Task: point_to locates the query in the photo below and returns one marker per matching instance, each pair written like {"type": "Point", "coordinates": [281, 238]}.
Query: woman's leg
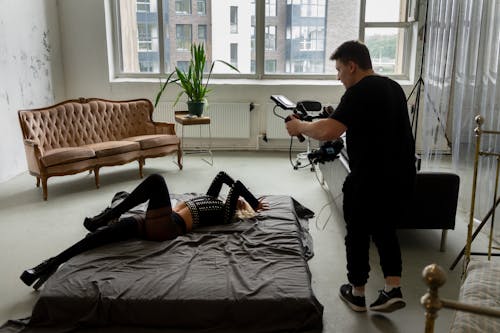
{"type": "Point", "coordinates": [237, 190]}
{"type": "Point", "coordinates": [219, 180]}
{"type": "Point", "coordinates": [153, 188]}
{"type": "Point", "coordinates": [122, 230]}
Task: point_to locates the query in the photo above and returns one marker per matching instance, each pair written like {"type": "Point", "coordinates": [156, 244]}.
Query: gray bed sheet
{"type": "Point", "coordinates": [248, 276]}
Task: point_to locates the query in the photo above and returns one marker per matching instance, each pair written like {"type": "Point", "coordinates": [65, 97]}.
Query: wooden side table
{"type": "Point", "coordinates": [183, 119]}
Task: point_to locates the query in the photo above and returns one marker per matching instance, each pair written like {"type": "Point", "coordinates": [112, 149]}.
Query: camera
{"type": "Point", "coordinates": [328, 151]}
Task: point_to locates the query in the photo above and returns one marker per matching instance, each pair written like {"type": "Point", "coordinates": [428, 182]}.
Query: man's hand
{"type": "Point", "coordinates": [293, 125]}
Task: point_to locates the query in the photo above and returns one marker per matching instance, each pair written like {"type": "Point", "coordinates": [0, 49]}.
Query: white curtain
{"type": "Point", "coordinates": [462, 80]}
{"type": "Point", "coordinates": [440, 47]}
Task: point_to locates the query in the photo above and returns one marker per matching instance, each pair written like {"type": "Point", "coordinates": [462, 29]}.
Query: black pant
{"type": "Point", "coordinates": [371, 217]}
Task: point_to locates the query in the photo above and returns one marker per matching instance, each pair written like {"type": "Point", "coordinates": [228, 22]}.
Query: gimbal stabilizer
{"type": "Point", "coordinates": [300, 109]}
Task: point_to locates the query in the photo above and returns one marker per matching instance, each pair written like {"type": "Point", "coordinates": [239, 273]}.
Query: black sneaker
{"type": "Point", "coordinates": [357, 303]}
{"type": "Point", "coordinates": [388, 301]}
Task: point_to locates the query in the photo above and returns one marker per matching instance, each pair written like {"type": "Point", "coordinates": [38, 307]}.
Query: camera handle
{"type": "Point", "coordinates": [300, 136]}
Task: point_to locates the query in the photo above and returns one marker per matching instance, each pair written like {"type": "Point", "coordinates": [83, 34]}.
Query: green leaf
{"type": "Point", "coordinates": [191, 81]}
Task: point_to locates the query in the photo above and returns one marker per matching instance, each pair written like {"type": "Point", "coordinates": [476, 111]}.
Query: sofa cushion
{"type": "Point", "coordinates": [109, 148]}
{"type": "Point", "coordinates": [154, 140]}
{"type": "Point", "coordinates": [66, 155]}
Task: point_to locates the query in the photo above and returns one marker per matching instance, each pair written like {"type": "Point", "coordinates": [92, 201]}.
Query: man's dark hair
{"type": "Point", "coordinates": [354, 51]}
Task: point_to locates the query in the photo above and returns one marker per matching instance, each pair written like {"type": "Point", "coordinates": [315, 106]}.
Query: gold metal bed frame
{"type": "Point", "coordinates": [478, 131]}
{"type": "Point", "coordinates": [434, 276]}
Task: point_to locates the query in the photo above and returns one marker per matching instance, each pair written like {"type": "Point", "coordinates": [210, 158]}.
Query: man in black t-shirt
{"type": "Point", "coordinates": [381, 150]}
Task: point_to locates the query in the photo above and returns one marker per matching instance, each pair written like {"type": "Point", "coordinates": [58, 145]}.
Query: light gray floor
{"type": "Point", "coordinates": [32, 230]}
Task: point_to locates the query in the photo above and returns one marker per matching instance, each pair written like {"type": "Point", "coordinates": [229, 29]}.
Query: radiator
{"type": "Point", "coordinates": [275, 127]}
{"type": "Point", "coordinates": [227, 120]}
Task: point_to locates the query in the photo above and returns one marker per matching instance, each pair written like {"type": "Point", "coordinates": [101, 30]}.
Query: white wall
{"type": "Point", "coordinates": [31, 73]}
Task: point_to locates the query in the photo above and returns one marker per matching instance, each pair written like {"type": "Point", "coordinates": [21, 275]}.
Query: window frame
{"type": "Point", "coordinates": [407, 25]}
{"type": "Point", "coordinates": [259, 74]}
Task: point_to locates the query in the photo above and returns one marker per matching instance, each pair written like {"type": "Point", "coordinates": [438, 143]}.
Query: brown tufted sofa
{"type": "Point", "coordinates": [87, 134]}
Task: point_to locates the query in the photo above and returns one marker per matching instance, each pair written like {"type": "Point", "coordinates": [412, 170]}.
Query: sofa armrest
{"type": "Point", "coordinates": [164, 128]}
{"type": "Point", "coordinates": [33, 154]}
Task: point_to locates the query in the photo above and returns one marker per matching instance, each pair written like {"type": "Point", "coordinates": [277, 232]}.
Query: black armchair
{"type": "Point", "coordinates": [435, 203]}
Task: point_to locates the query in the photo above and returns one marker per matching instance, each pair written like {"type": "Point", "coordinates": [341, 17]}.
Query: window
{"type": "Point", "coordinates": [234, 54]}
{"type": "Point", "coordinates": [252, 38]}
{"type": "Point", "coordinates": [143, 6]}
{"type": "Point", "coordinates": [297, 37]}
{"type": "Point", "coordinates": [312, 8]}
{"type": "Point", "coordinates": [386, 34]}
{"type": "Point", "coordinates": [183, 7]}
{"type": "Point", "coordinates": [202, 7]}
{"type": "Point", "coordinates": [183, 37]}
{"type": "Point", "coordinates": [145, 39]}
{"type": "Point", "coordinates": [309, 38]}
{"type": "Point", "coordinates": [270, 8]}
{"type": "Point", "coordinates": [270, 36]}
{"type": "Point", "coordinates": [146, 66]}
{"type": "Point", "coordinates": [270, 66]}
{"type": "Point", "coordinates": [202, 33]}
{"type": "Point", "coordinates": [234, 19]}
{"type": "Point", "coordinates": [183, 65]}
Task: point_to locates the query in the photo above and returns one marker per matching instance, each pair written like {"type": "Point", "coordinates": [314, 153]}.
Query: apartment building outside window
{"type": "Point", "coordinates": [297, 37]}
{"type": "Point", "coordinates": [234, 19]}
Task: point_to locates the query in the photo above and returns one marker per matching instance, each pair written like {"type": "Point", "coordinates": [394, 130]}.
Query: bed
{"type": "Point", "coordinates": [478, 306]}
{"type": "Point", "coordinates": [249, 276]}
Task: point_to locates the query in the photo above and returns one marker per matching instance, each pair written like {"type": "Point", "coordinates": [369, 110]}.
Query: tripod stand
{"type": "Point", "coordinates": [417, 88]}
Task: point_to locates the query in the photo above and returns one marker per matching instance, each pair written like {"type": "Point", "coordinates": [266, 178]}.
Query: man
{"type": "Point", "coordinates": [381, 150]}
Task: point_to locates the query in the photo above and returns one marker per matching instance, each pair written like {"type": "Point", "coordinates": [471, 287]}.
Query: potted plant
{"type": "Point", "coordinates": [191, 80]}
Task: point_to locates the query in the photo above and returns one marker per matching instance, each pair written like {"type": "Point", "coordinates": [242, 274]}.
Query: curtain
{"type": "Point", "coordinates": [440, 47]}
{"type": "Point", "coordinates": [462, 80]}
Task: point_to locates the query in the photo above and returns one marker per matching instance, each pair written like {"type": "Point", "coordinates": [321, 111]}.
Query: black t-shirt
{"type": "Point", "coordinates": [380, 144]}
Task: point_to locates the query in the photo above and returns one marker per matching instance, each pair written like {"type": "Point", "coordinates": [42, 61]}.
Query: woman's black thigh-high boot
{"type": "Point", "coordinates": [153, 188]}
{"type": "Point", "coordinates": [124, 229]}
{"type": "Point", "coordinates": [219, 180]}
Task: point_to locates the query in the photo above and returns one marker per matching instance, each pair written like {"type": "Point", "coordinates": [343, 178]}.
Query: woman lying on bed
{"type": "Point", "coordinates": [162, 222]}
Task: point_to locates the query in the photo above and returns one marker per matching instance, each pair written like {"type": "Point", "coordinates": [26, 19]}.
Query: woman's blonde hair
{"type": "Point", "coordinates": [245, 211]}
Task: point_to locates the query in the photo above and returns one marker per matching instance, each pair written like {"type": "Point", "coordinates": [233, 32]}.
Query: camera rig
{"type": "Point", "coordinates": [329, 150]}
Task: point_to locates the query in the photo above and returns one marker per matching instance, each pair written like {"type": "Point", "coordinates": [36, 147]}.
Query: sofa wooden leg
{"type": "Point", "coordinates": [179, 158]}
{"type": "Point", "coordinates": [44, 188]}
{"type": "Point", "coordinates": [96, 177]}
{"type": "Point", "coordinates": [141, 163]}
{"type": "Point", "coordinates": [37, 181]}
